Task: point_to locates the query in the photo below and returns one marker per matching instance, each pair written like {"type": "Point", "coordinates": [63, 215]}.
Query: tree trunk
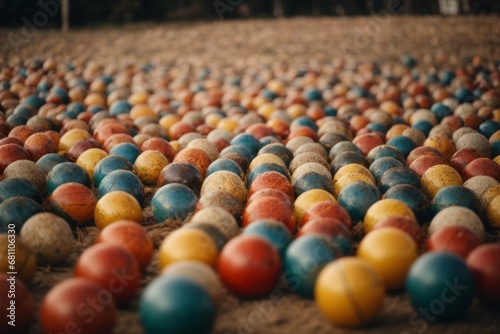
{"type": "Point", "coordinates": [278, 8]}
{"type": "Point", "coordinates": [65, 15]}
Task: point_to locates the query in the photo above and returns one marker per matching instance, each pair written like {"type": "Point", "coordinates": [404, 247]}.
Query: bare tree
{"type": "Point", "coordinates": [278, 8]}
{"type": "Point", "coordinates": [65, 15]}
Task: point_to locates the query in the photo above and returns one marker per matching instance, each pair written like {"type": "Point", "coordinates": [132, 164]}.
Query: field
{"type": "Point", "coordinates": [259, 43]}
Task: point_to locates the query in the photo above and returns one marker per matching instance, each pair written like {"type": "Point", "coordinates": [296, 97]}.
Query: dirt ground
{"type": "Point", "coordinates": [256, 43]}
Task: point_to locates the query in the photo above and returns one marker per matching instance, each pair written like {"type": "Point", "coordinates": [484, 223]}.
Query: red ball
{"type": "Point", "coordinates": [327, 209]}
{"type": "Point", "coordinates": [454, 239]}
{"type": "Point", "coordinates": [39, 144]}
{"type": "Point", "coordinates": [74, 202]}
{"type": "Point", "coordinates": [423, 163]}
{"type": "Point", "coordinates": [404, 224]}
{"type": "Point", "coordinates": [482, 166]}
{"type": "Point", "coordinates": [484, 261]}
{"type": "Point", "coordinates": [462, 157]}
{"type": "Point", "coordinates": [22, 312]}
{"type": "Point", "coordinates": [329, 227]}
{"type": "Point", "coordinates": [81, 146]}
{"type": "Point", "coordinates": [10, 153]}
{"type": "Point", "coordinates": [272, 180]}
{"type": "Point", "coordinates": [78, 305]}
{"type": "Point", "coordinates": [131, 236]}
{"type": "Point", "coordinates": [249, 266]}
{"type": "Point", "coordinates": [302, 131]}
{"type": "Point", "coordinates": [271, 193]}
{"type": "Point", "coordinates": [112, 267]}
{"type": "Point", "coordinates": [367, 141]}
{"type": "Point", "coordinates": [422, 151]}
{"type": "Point", "coordinates": [159, 144]}
{"type": "Point", "coordinates": [269, 208]}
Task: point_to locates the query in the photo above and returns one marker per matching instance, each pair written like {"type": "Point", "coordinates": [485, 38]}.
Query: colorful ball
{"type": "Point", "coordinates": [122, 180]}
{"type": "Point", "coordinates": [391, 252]}
{"type": "Point", "coordinates": [440, 286]}
{"type": "Point", "coordinates": [404, 224]}
{"type": "Point", "coordinates": [75, 203]}
{"type": "Point", "coordinates": [114, 206]}
{"type": "Point", "coordinates": [307, 199]}
{"type": "Point", "coordinates": [104, 264]}
{"type": "Point", "coordinates": [249, 266]}
{"type": "Point", "coordinates": [131, 236]}
{"type": "Point", "coordinates": [357, 197]}
{"type": "Point", "coordinates": [187, 244]}
{"type": "Point", "coordinates": [173, 202]}
{"type": "Point", "coordinates": [64, 173]}
{"type": "Point", "coordinates": [15, 211]}
{"type": "Point", "coordinates": [58, 308]}
{"type": "Point", "coordinates": [218, 217]}
{"type": "Point", "coordinates": [273, 231]}
{"type": "Point", "coordinates": [225, 181]}
{"type": "Point", "coordinates": [438, 177]}
{"type": "Point", "coordinates": [148, 166]}
{"type": "Point", "coordinates": [327, 209]}
{"type": "Point", "coordinates": [414, 198]}
{"type": "Point", "coordinates": [349, 292]}
{"type": "Point", "coordinates": [458, 216]}
{"type": "Point", "coordinates": [382, 165]}
{"type": "Point", "coordinates": [387, 207]}
{"type": "Point", "coordinates": [183, 173]}
{"type": "Point", "coordinates": [484, 262]}
{"type": "Point", "coordinates": [50, 238]}
{"type": "Point", "coordinates": [176, 304]}
{"type": "Point", "coordinates": [304, 260]}
{"type": "Point", "coordinates": [110, 164]}
{"type": "Point", "coordinates": [27, 170]}
{"type": "Point", "coordinates": [89, 159]}
{"type": "Point", "coordinates": [454, 196]}
{"type": "Point", "coordinates": [269, 208]}
{"type": "Point", "coordinates": [458, 240]}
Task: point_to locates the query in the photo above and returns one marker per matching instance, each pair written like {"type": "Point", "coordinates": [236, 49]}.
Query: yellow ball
{"type": "Point", "coordinates": [296, 110]}
{"type": "Point", "coordinates": [347, 179]}
{"type": "Point", "coordinates": [488, 196]}
{"type": "Point", "coordinates": [391, 252]}
{"type": "Point", "coordinates": [225, 181]}
{"type": "Point", "coordinates": [187, 244]}
{"type": "Point", "coordinates": [386, 208]}
{"type": "Point", "coordinates": [308, 199]}
{"type": "Point", "coordinates": [438, 177]}
{"type": "Point", "coordinates": [139, 98]}
{"type": "Point", "coordinates": [114, 206]}
{"type": "Point", "coordinates": [72, 137]}
{"type": "Point", "coordinates": [227, 124]}
{"type": "Point", "coordinates": [89, 159]}
{"type": "Point", "coordinates": [266, 158]}
{"type": "Point", "coordinates": [493, 212]}
{"type": "Point", "coordinates": [349, 292]}
{"type": "Point", "coordinates": [266, 110]}
{"type": "Point", "coordinates": [141, 110]}
{"type": "Point", "coordinates": [352, 168]}
{"type": "Point", "coordinates": [168, 120]}
{"type": "Point", "coordinates": [213, 119]}
{"type": "Point", "coordinates": [149, 165]}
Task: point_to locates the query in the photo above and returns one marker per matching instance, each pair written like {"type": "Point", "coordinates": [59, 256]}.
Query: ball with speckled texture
{"type": "Point", "coordinates": [220, 218]}
{"type": "Point", "coordinates": [28, 170]}
{"type": "Point", "coordinates": [461, 216]}
{"type": "Point", "coordinates": [221, 199]}
{"type": "Point", "coordinates": [49, 237]}
{"type": "Point", "coordinates": [114, 206]}
{"type": "Point", "coordinates": [475, 140]}
{"type": "Point", "coordinates": [148, 166]}
{"type": "Point", "coordinates": [438, 177]}
{"type": "Point", "coordinates": [479, 184]}
{"type": "Point", "coordinates": [225, 181]}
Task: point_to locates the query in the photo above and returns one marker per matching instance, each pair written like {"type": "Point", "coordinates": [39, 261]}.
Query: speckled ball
{"type": "Point", "coordinates": [458, 216]}
{"type": "Point", "coordinates": [225, 181]}
{"type": "Point", "coordinates": [218, 217]}
{"type": "Point", "coordinates": [49, 237]}
{"type": "Point", "coordinates": [28, 170]}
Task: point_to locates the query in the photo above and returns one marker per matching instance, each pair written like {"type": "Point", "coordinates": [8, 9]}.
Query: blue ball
{"type": "Point", "coordinates": [383, 151]}
{"type": "Point", "coordinates": [441, 110]}
{"type": "Point", "coordinates": [313, 94]}
{"type": "Point", "coordinates": [304, 260]}
{"type": "Point", "coordinates": [488, 128]}
{"type": "Point", "coordinates": [310, 181]}
{"type": "Point", "coordinates": [49, 161]}
{"type": "Point", "coordinates": [17, 210]}
{"type": "Point", "coordinates": [110, 164]}
{"type": "Point", "coordinates": [346, 158]}
{"type": "Point", "coordinates": [396, 176]}
{"type": "Point", "coordinates": [67, 172]}
{"type": "Point", "coordinates": [16, 120]}
{"type": "Point", "coordinates": [123, 180]}
{"type": "Point", "coordinates": [423, 126]}
{"type": "Point", "coordinates": [376, 127]}
{"type": "Point", "coordinates": [404, 144]}
{"type": "Point", "coordinates": [173, 202]}
{"type": "Point", "coordinates": [13, 187]}
{"type": "Point", "coordinates": [454, 196]}
{"type": "Point", "coordinates": [119, 107]}
{"type": "Point", "coordinates": [75, 107]}
{"type": "Point", "coordinates": [414, 198]}
{"type": "Point", "coordinates": [303, 121]}
{"type": "Point", "coordinates": [128, 151]}
{"type": "Point", "coordinates": [382, 165]}
{"type": "Point", "coordinates": [172, 304]}
{"type": "Point", "coordinates": [227, 165]}
{"type": "Point", "coordinates": [273, 231]}
{"type": "Point", "coordinates": [357, 198]}
{"type": "Point", "coordinates": [279, 150]}
{"type": "Point", "coordinates": [440, 286]}
{"type": "Point", "coordinates": [247, 141]}
{"type": "Point", "coordinates": [464, 95]}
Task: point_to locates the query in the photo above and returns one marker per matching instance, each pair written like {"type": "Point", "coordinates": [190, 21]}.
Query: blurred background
{"type": "Point", "coordinates": [83, 13]}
